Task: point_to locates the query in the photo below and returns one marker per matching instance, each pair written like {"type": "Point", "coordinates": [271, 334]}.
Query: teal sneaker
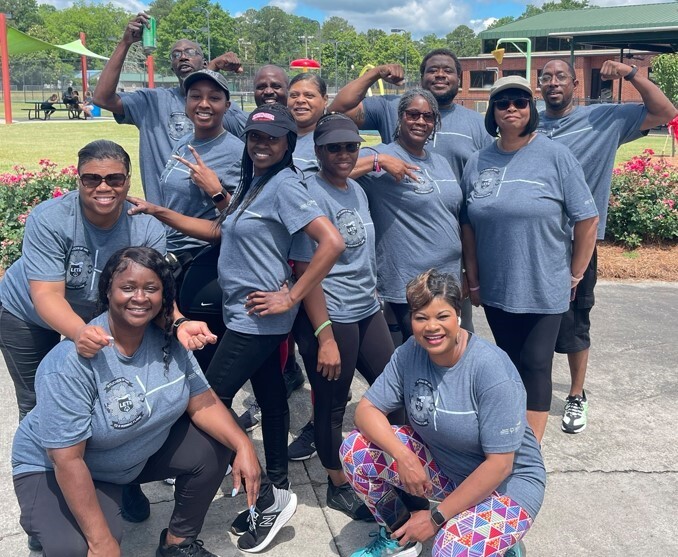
{"type": "Point", "coordinates": [383, 546]}
{"type": "Point", "coordinates": [576, 411]}
{"type": "Point", "coordinates": [517, 550]}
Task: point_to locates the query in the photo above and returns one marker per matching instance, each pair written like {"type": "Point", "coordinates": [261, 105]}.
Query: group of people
{"type": "Point", "coordinates": [314, 234]}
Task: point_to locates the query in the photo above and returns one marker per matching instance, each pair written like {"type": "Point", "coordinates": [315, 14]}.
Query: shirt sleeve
{"type": "Point", "coordinates": [295, 206]}
{"type": "Point", "coordinates": [235, 119]}
{"type": "Point", "coordinates": [44, 250]}
{"type": "Point", "coordinates": [578, 200]}
{"type": "Point", "coordinates": [135, 106]}
{"type": "Point", "coordinates": [197, 382]}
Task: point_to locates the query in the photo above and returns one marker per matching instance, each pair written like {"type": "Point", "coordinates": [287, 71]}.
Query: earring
{"type": "Point", "coordinates": [459, 320]}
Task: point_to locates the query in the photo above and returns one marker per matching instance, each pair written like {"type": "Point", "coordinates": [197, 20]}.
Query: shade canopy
{"type": "Point", "coordinates": [21, 43]}
{"type": "Point", "coordinates": [305, 63]}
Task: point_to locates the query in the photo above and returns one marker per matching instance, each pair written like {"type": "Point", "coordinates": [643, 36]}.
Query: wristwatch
{"type": "Point", "coordinates": [632, 73]}
{"type": "Point", "coordinates": [437, 518]}
{"type": "Point", "coordinates": [219, 197]}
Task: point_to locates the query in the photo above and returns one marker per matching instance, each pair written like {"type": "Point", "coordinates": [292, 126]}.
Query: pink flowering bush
{"type": "Point", "coordinates": [643, 202]}
{"type": "Point", "coordinates": [20, 191]}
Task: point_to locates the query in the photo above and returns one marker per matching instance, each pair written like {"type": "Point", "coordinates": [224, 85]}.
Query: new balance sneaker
{"type": "Point", "coordinates": [574, 417]}
{"type": "Point", "coordinates": [303, 447]}
{"type": "Point", "coordinates": [264, 525]}
{"type": "Point", "coordinates": [135, 505]}
{"type": "Point", "coordinates": [342, 498]}
{"type": "Point", "coordinates": [241, 524]}
{"type": "Point", "coordinates": [294, 378]}
{"type": "Point", "coordinates": [383, 546]}
{"type": "Point", "coordinates": [250, 418]}
{"type": "Point", "coordinates": [190, 547]}
{"type": "Point", "coordinates": [517, 550]}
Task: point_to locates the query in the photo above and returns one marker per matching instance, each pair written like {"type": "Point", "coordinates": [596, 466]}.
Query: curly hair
{"type": "Point", "coordinates": [427, 286]}
{"type": "Point", "coordinates": [406, 101]}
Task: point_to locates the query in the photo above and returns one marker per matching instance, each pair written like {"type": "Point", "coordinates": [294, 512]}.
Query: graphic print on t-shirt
{"type": "Point", "coordinates": [486, 184]}
{"type": "Point", "coordinates": [79, 268]}
{"type": "Point", "coordinates": [423, 184]}
{"type": "Point", "coordinates": [124, 404]}
{"type": "Point", "coordinates": [422, 402]}
{"type": "Point", "coordinates": [351, 227]}
{"type": "Point", "coordinates": [179, 125]}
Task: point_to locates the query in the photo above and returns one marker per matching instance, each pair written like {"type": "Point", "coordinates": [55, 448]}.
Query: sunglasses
{"type": "Point", "coordinates": [116, 180]}
{"type": "Point", "coordinates": [339, 147]}
{"type": "Point", "coordinates": [189, 52]}
{"type": "Point", "coordinates": [414, 115]}
{"type": "Point", "coordinates": [503, 104]}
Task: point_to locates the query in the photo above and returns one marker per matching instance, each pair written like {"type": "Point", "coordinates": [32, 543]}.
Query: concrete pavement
{"type": "Point", "coordinates": [612, 490]}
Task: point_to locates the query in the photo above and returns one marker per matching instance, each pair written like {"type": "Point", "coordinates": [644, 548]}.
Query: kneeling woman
{"type": "Point", "coordinates": [469, 446]}
{"type": "Point", "coordinates": [138, 411]}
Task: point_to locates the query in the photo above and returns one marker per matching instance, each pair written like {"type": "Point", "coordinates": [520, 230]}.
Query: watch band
{"type": "Point", "coordinates": [437, 517]}
{"type": "Point", "coordinates": [177, 323]}
{"type": "Point", "coordinates": [632, 73]}
{"type": "Point", "coordinates": [219, 197]}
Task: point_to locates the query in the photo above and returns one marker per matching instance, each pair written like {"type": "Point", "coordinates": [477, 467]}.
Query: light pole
{"type": "Point", "coordinates": [404, 33]}
{"type": "Point", "coordinates": [241, 43]}
{"type": "Point", "coordinates": [305, 39]}
{"type": "Point", "coordinates": [204, 10]}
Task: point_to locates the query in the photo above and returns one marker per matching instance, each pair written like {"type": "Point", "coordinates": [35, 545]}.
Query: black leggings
{"type": "Point", "coordinates": [23, 346]}
{"type": "Point", "coordinates": [529, 339]}
{"type": "Point", "coordinates": [365, 345]}
{"type": "Point", "coordinates": [242, 356]}
{"type": "Point", "coordinates": [197, 461]}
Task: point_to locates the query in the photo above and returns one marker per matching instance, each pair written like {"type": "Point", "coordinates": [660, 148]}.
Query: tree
{"type": "Point", "coordinates": [160, 9]}
{"type": "Point", "coordinates": [463, 41]}
{"type": "Point", "coordinates": [501, 22]}
{"type": "Point", "coordinates": [24, 13]}
{"type": "Point", "coordinates": [665, 75]}
{"type": "Point", "coordinates": [430, 42]}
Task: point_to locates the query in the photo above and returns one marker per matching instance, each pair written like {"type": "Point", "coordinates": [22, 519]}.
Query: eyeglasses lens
{"type": "Point", "coordinates": [176, 54]}
{"type": "Point", "coordinates": [338, 147]}
{"type": "Point", "coordinates": [414, 115]}
{"type": "Point", "coordinates": [113, 180]}
{"type": "Point", "coordinates": [503, 104]}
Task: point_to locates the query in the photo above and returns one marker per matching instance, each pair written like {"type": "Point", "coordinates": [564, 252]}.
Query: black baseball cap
{"type": "Point", "coordinates": [336, 128]}
{"type": "Point", "coordinates": [216, 77]}
{"type": "Point", "coordinates": [273, 119]}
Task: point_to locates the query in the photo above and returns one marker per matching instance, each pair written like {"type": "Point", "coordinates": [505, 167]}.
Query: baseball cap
{"type": "Point", "coordinates": [510, 82]}
{"type": "Point", "coordinates": [336, 128]}
{"type": "Point", "coordinates": [216, 77]}
{"type": "Point", "coordinates": [272, 119]}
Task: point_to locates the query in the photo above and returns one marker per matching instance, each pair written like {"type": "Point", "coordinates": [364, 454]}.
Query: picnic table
{"type": "Point", "coordinates": [37, 113]}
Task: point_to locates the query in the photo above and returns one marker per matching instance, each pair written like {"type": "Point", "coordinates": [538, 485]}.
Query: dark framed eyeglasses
{"type": "Point", "coordinates": [503, 104]}
{"type": "Point", "coordinates": [414, 115]}
{"type": "Point", "coordinates": [339, 147]}
{"type": "Point", "coordinates": [189, 52]}
{"type": "Point", "coordinates": [115, 180]}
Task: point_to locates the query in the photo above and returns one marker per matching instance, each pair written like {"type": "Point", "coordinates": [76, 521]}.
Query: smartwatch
{"type": "Point", "coordinates": [632, 73]}
{"type": "Point", "coordinates": [437, 518]}
{"type": "Point", "coordinates": [177, 323]}
{"type": "Point", "coordinates": [219, 197]}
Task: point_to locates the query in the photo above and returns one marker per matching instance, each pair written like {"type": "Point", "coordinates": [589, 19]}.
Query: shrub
{"type": "Point", "coordinates": [20, 191]}
{"type": "Point", "coordinates": [643, 202]}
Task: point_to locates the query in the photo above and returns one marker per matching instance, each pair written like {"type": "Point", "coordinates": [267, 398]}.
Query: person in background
{"type": "Point", "coordinates": [307, 100]}
{"type": "Point", "coordinates": [48, 105]}
{"type": "Point", "coordinates": [593, 133]}
{"type": "Point", "coordinates": [525, 190]}
{"type": "Point", "coordinates": [271, 85]}
{"type": "Point", "coordinates": [468, 449]}
{"type": "Point", "coordinates": [138, 410]}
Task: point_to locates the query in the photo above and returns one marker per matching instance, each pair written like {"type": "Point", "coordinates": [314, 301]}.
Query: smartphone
{"type": "Point", "coordinates": [392, 510]}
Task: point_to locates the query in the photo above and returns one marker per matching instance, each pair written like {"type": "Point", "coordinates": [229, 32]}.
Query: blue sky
{"type": "Point", "coordinates": [419, 17]}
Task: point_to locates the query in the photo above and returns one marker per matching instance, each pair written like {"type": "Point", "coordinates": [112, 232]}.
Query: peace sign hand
{"type": "Point", "coordinates": [201, 174]}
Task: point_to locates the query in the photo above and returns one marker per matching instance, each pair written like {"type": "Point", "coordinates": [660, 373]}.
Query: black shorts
{"type": "Point", "coordinates": [574, 333]}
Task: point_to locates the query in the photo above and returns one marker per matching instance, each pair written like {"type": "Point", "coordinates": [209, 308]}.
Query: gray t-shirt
{"type": "Point", "coordinates": [350, 287]}
{"type": "Point", "coordinates": [304, 156]}
{"type": "Point", "coordinates": [463, 413]}
{"type": "Point", "coordinates": [255, 248]}
{"type": "Point", "coordinates": [61, 245]}
{"type": "Point", "coordinates": [462, 131]}
{"type": "Point", "coordinates": [123, 406]}
{"type": "Point", "coordinates": [520, 206]}
{"type": "Point", "coordinates": [223, 155]}
{"type": "Point", "coordinates": [416, 223]}
{"type": "Point", "coordinates": [594, 133]}
{"type": "Point", "coordinates": [160, 115]}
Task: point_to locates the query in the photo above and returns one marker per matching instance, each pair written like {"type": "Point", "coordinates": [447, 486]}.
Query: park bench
{"type": "Point", "coordinates": [37, 113]}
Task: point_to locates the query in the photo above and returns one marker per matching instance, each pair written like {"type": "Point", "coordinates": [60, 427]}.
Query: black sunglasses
{"type": "Point", "coordinates": [503, 104]}
{"type": "Point", "coordinates": [414, 115]}
{"type": "Point", "coordinates": [339, 147]}
{"type": "Point", "coordinates": [116, 180]}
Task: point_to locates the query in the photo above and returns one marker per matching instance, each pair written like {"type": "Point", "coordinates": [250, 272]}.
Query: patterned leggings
{"type": "Point", "coordinates": [489, 528]}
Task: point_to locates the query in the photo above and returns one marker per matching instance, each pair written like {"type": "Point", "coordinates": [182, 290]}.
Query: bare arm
{"type": "Point", "coordinates": [582, 246]}
{"type": "Point", "coordinates": [209, 414]}
{"type": "Point", "coordinates": [468, 247]}
{"type": "Point", "coordinates": [660, 110]}
{"type": "Point", "coordinates": [75, 482]}
{"type": "Point", "coordinates": [105, 94]}
{"type": "Point", "coordinates": [201, 229]}
{"type": "Point", "coordinates": [396, 167]}
{"type": "Point", "coordinates": [349, 99]}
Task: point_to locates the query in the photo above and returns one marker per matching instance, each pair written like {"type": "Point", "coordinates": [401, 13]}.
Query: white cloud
{"type": "Point", "coordinates": [133, 6]}
{"type": "Point", "coordinates": [285, 5]}
{"type": "Point", "coordinates": [479, 25]}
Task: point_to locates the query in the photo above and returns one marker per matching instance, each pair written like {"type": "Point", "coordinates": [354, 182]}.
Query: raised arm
{"type": "Point", "coordinates": [660, 110]}
{"type": "Point", "coordinates": [105, 94]}
{"type": "Point", "coordinates": [349, 99]}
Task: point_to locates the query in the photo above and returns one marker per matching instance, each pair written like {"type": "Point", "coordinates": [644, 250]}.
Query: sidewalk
{"type": "Point", "coordinates": [612, 490]}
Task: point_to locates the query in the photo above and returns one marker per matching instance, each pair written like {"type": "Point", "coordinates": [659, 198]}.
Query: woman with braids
{"type": "Point", "coordinates": [469, 448]}
{"type": "Point", "coordinates": [415, 205]}
{"type": "Point", "coordinates": [259, 304]}
{"type": "Point", "coordinates": [138, 411]}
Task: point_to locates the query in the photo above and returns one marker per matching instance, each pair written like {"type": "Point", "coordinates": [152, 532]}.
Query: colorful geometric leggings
{"type": "Point", "coordinates": [490, 528]}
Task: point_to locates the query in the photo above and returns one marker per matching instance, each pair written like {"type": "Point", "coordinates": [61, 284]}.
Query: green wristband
{"type": "Point", "coordinates": [321, 327]}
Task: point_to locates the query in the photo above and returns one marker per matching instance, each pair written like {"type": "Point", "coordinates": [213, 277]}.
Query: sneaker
{"type": "Point", "coordinates": [241, 524]}
{"type": "Point", "coordinates": [303, 447]}
{"type": "Point", "coordinates": [383, 546]}
{"type": "Point", "coordinates": [190, 547]}
{"type": "Point", "coordinates": [34, 544]}
{"type": "Point", "coordinates": [517, 550]}
{"type": "Point", "coordinates": [574, 417]}
{"type": "Point", "coordinates": [294, 378]}
{"type": "Point", "coordinates": [250, 418]}
{"type": "Point", "coordinates": [264, 525]}
{"type": "Point", "coordinates": [345, 500]}
{"type": "Point", "coordinates": [135, 505]}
